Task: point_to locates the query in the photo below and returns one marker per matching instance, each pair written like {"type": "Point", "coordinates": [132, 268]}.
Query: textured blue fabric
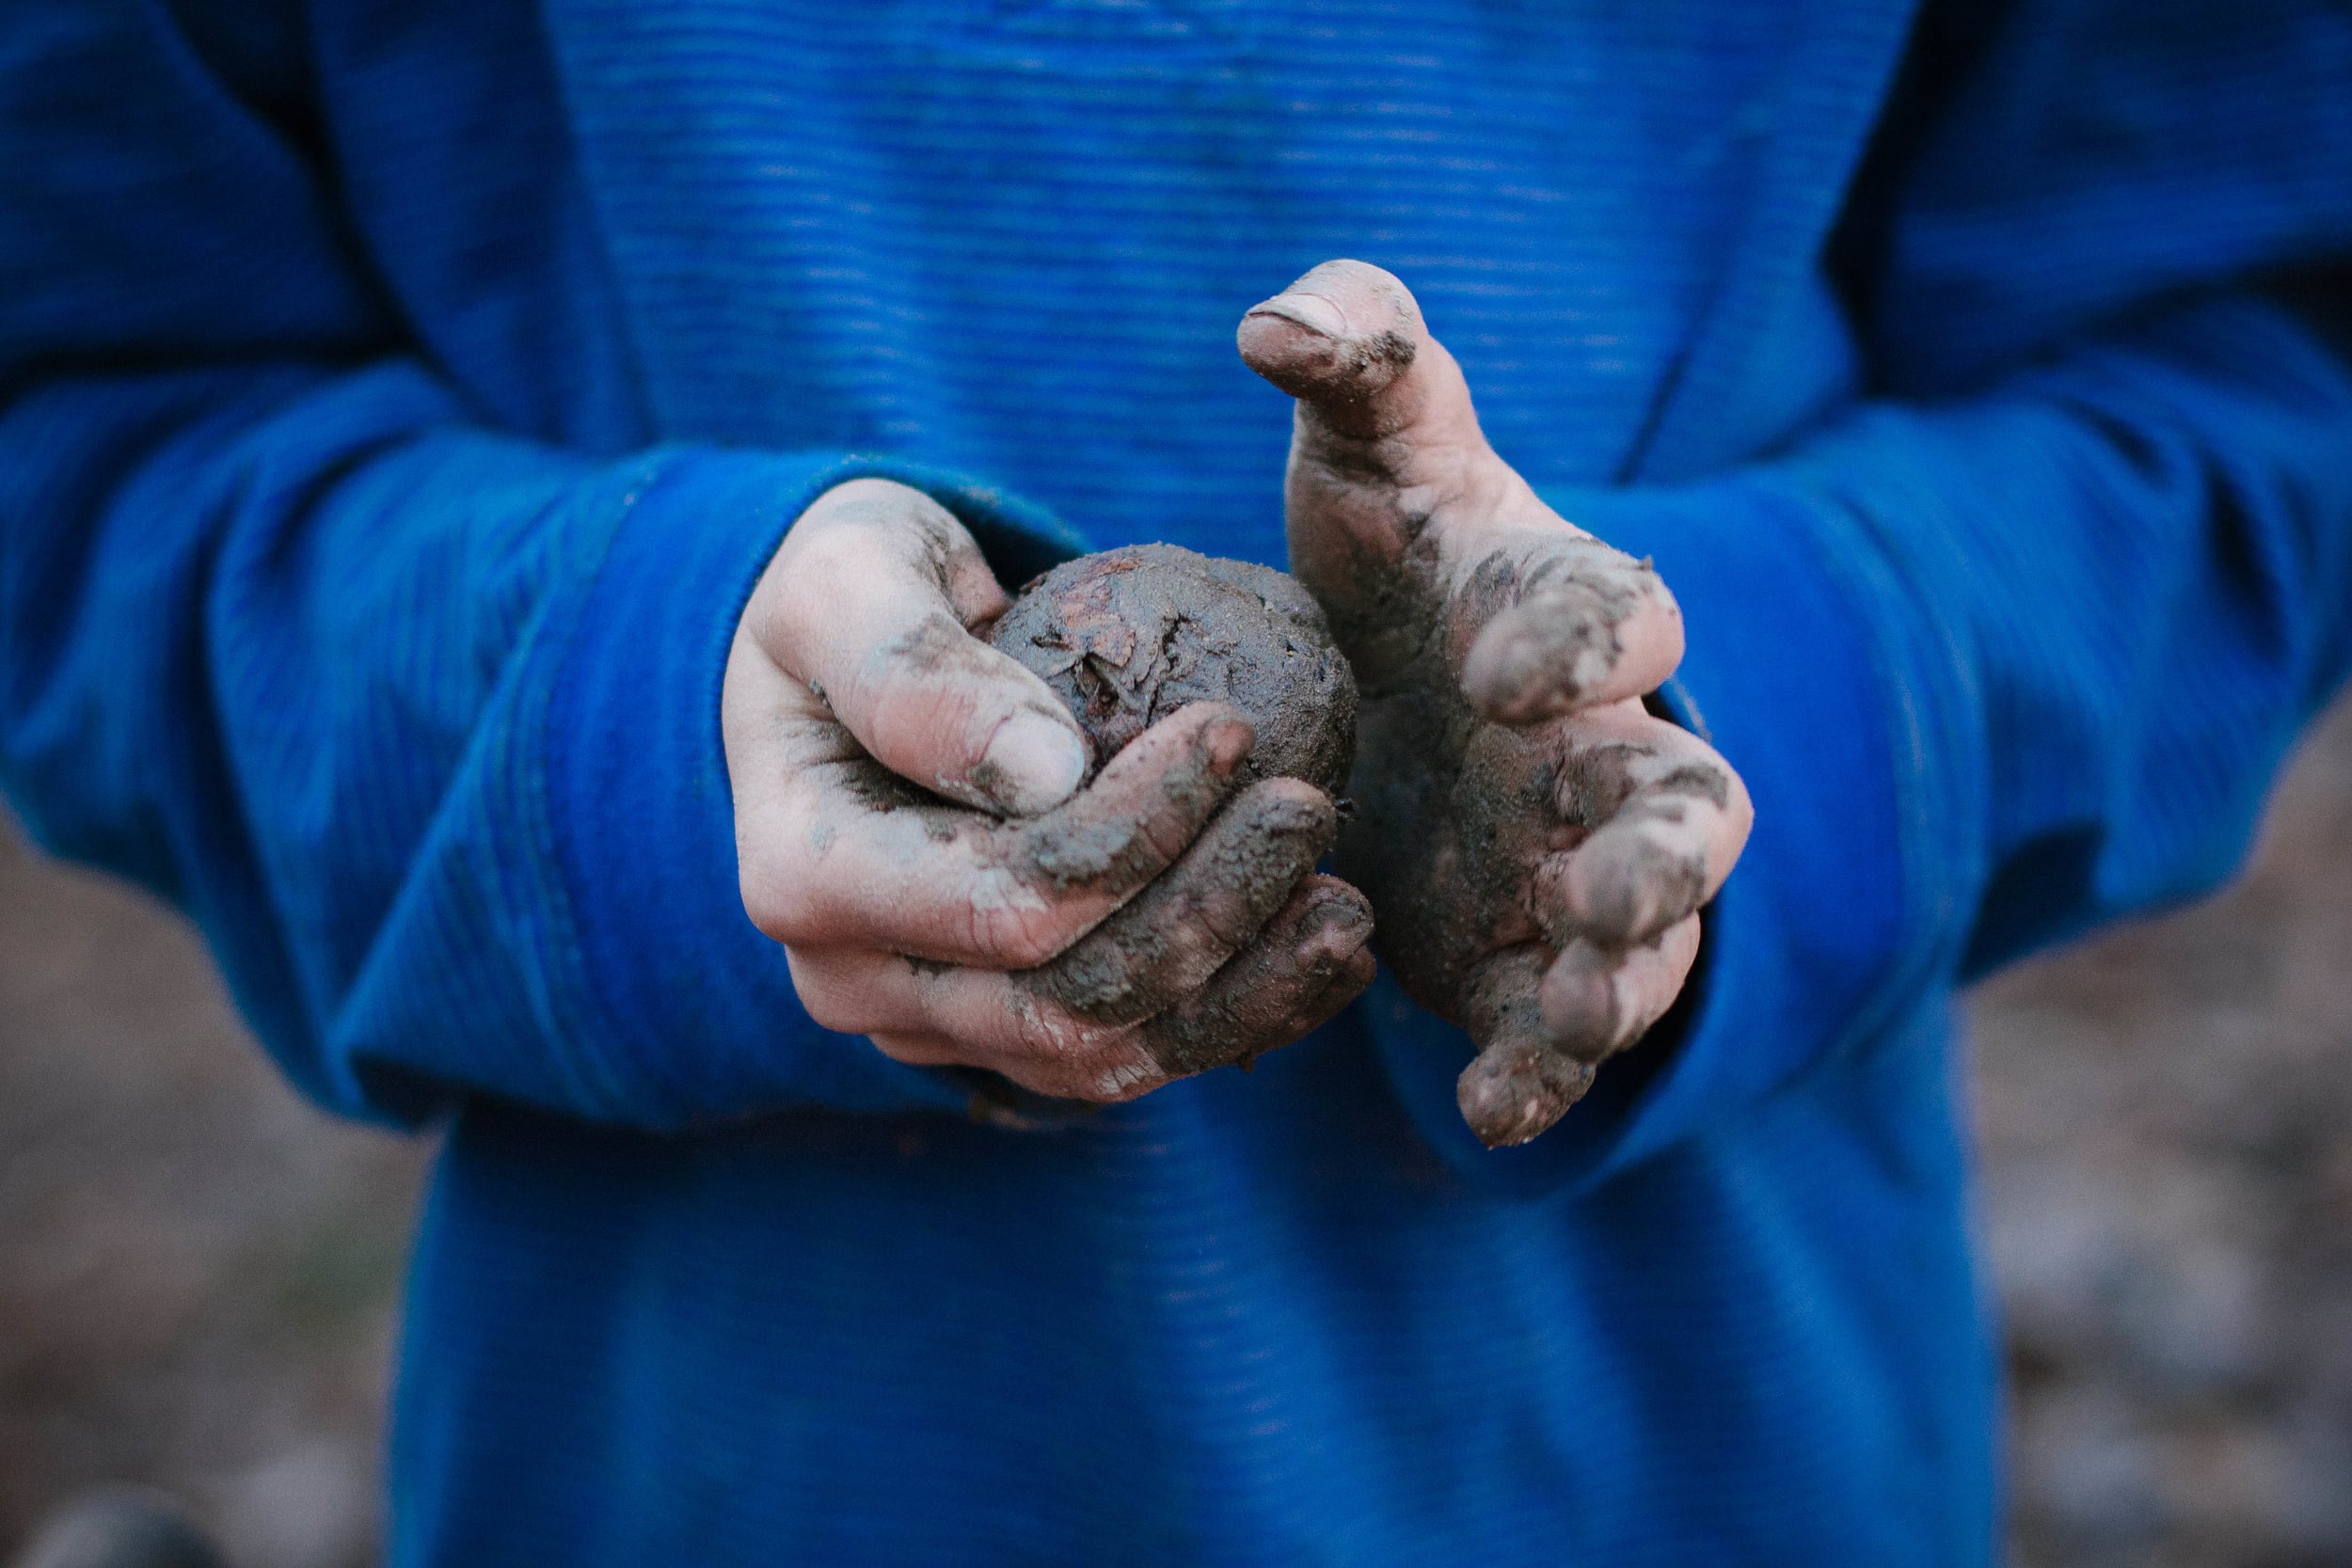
{"type": "Point", "coordinates": [401, 397]}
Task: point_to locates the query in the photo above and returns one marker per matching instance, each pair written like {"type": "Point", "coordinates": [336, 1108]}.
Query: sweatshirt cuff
{"type": "Point", "coordinates": [689, 1013]}
{"type": "Point", "coordinates": [1809, 670]}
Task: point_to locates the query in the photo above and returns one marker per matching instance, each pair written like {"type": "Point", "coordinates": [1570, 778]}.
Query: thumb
{"type": "Point", "coordinates": [1385, 441]}
{"type": "Point", "coordinates": [1348, 341]}
{"type": "Point", "coordinates": [870, 601]}
{"type": "Point", "coordinates": [1538, 617]}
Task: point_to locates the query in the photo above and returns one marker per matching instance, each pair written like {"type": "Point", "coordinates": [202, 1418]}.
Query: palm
{"type": "Point", "coordinates": [1536, 845]}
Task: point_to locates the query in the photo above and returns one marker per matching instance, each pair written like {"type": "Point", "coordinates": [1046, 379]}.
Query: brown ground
{"type": "Point", "coordinates": [197, 1272]}
{"type": "Point", "coordinates": [2167, 1121]}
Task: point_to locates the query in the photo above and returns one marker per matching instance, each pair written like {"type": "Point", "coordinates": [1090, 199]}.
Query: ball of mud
{"type": "Point", "coordinates": [1127, 637]}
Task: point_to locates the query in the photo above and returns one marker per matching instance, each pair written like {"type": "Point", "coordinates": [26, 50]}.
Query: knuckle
{"type": "Point", "coordinates": [1163, 835]}
{"type": "Point", "coordinates": [1116, 1070]}
{"type": "Point", "coordinates": [1209, 929]}
{"type": "Point", "coordinates": [1022, 934]}
{"type": "Point", "coordinates": [1095, 979]}
{"type": "Point", "coordinates": [1124, 1083]}
{"type": "Point", "coordinates": [828, 1005]}
{"type": "Point", "coordinates": [1044, 1034]}
{"type": "Point", "coordinates": [778, 907]}
{"type": "Point", "coordinates": [825, 1010]}
{"type": "Point", "coordinates": [903, 1047]}
{"type": "Point", "coordinates": [1071, 1057]}
{"type": "Point", "coordinates": [823, 551]}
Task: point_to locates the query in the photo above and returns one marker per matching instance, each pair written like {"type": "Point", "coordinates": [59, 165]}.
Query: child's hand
{"type": "Point", "coordinates": [1538, 845]}
{"type": "Point", "coordinates": [1089, 944]}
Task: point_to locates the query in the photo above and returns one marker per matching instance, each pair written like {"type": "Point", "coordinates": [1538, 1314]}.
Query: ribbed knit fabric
{"type": "Point", "coordinates": [402, 398]}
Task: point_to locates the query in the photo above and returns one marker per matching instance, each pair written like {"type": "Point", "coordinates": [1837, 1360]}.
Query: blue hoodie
{"type": "Point", "coordinates": [401, 397]}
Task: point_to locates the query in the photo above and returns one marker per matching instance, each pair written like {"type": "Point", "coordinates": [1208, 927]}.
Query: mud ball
{"type": "Point", "coordinates": [1127, 637]}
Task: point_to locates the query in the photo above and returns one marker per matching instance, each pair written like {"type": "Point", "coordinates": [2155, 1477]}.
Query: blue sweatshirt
{"type": "Point", "coordinates": [400, 396]}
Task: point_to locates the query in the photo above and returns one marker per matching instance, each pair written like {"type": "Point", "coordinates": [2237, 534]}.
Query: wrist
{"type": "Point", "coordinates": [691, 1015]}
{"type": "Point", "coordinates": [1826, 695]}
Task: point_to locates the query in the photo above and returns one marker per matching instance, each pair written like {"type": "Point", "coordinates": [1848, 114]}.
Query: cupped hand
{"type": "Point", "coordinates": [1536, 843]}
{"type": "Point", "coordinates": [915, 824]}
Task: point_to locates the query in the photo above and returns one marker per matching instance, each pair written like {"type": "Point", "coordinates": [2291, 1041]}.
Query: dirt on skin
{"type": "Point", "coordinates": [1447, 581]}
{"type": "Point", "coordinates": [1127, 637]}
{"type": "Point", "coordinates": [1168, 940]}
{"type": "Point", "coordinates": [1457, 816]}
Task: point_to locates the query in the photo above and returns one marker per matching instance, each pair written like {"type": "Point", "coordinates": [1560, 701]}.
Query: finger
{"type": "Point", "coordinates": [1595, 1003]}
{"type": "Point", "coordinates": [1311, 959]}
{"type": "Point", "coordinates": [1387, 449]}
{"type": "Point", "coordinates": [1663, 848]}
{"type": "Point", "coordinates": [1167, 939]}
{"type": "Point", "coordinates": [916, 1048]}
{"type": "Point", "coordinates": [871, 600]}
{"type": "Point", "coordinates": [940, 1015]}
{"type": "Point", "coordinates": [1354, 978]}
{"type": "Point", "coordinates": [1519, 1085]}
{"type": "Point", "coordinates": [838, 853]}
{"type": "Point", "coordinates": [1552, 623]}
{"type": "Point", "coordinates": [1348, 341]}
{"type": "Point", "coordinates": [1384, 439]}
{"type": "Point", "coordinates": [1309, 962]}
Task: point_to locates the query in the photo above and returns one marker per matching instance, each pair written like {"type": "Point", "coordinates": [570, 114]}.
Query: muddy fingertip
{"type": "Point", "coordinates": [1626, 889]}
{"type": "Point", "coordinates": [1345, 330]}
{"type": "Point", "coordinates": [1579, 1001]}
{"type": "Point", "coordinates": [1335, 937]}
{"type": "Point", "coordinates": [1598, 631]}
{"type": "Point", "coordinates": [1513, 1094]}
{"type": "Point", "coordinates": [1227, 739]}
{"type": "Point", "coordinates": [1541, 660]}
{"type": "Point", "coordinates": [1342, 911]}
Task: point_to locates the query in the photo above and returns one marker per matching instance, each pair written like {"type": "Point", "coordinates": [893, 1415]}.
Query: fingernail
{"type": "Point", "coordinates": [1311, 311]}
{"type": "Point", "coordinates": [1228, 741]}
{"type": "Point", "coordinates": [1032, 764]}
{"type": "Point", "coordinates": [1344, 915]}
{"type": "Point", "coordinates": [1335, 940]}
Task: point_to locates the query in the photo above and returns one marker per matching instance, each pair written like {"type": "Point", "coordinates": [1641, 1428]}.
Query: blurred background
{"type": "Point", "coordinates": [199, 1274]}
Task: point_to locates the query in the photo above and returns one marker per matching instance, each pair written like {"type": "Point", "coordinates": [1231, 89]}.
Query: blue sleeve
{"type": "Point", "coordinates": [417, 719]}
{"type": "Point", "coordinates": [2015, 646]}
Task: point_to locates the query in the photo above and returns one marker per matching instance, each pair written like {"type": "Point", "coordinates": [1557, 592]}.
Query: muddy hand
{"type": "Point", "coordinates": [1538, 844]}
{"type": "Point", "coordinates": [1086, 943]}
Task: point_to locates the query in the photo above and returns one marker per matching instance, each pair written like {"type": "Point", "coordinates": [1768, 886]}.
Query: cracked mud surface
{"type": "Point", "coordinates": [1127, 637]}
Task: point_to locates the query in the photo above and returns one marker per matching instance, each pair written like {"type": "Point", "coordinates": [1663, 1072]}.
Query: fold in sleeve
{"type": "Point", "coordinates": [417, 719]}
{"type": "Point", "coordinates": [1995, 670]}
{"type": "Point", "coordinates": [2014, 645]}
